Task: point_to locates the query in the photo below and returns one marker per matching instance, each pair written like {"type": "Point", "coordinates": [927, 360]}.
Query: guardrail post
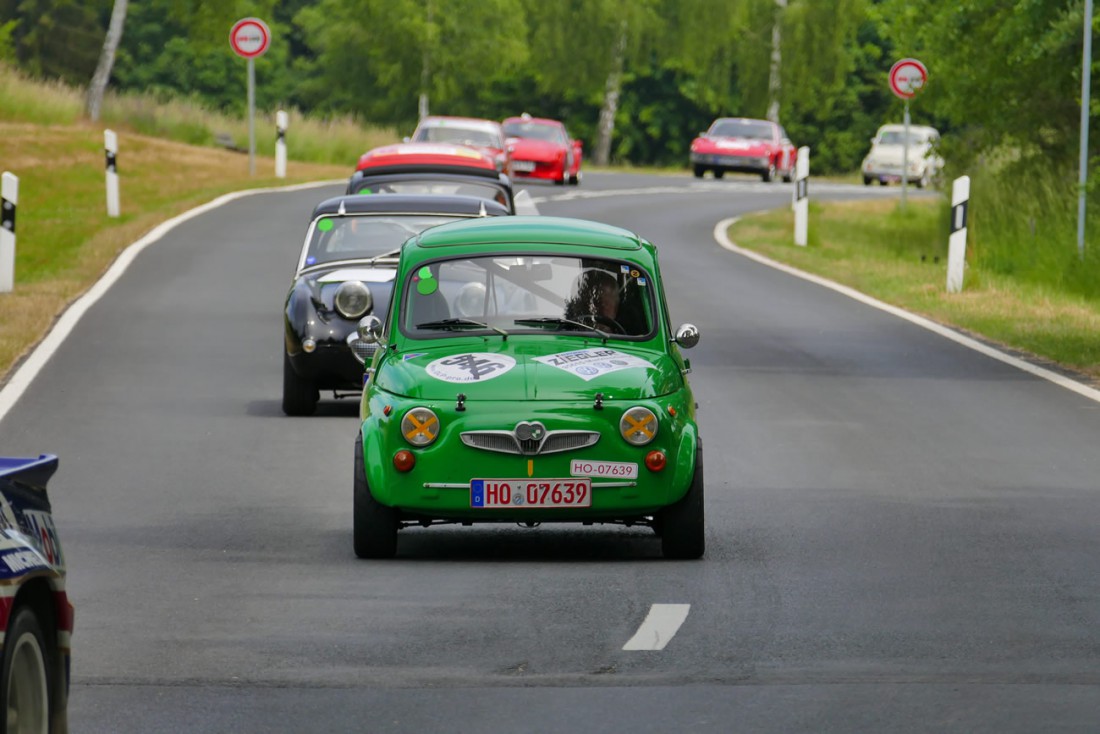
{"type": "Point", "coordinates": [281, 124]}
{"type": "Point", "coordinates": [956, 249]}
{"type": "Point", "coordinates": [801, 195]}
{"type": "Point", "coordinates": [110, 143]}
{"type": "Point", "coordinates": [9, 197]}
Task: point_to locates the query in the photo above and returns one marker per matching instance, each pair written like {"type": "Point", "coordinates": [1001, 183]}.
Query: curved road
{"type": "Point", "coordinates": [903, 534]}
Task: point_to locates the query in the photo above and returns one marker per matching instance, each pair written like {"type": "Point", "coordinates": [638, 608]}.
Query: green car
{"type": "Point", "coordinates": [527, 372]}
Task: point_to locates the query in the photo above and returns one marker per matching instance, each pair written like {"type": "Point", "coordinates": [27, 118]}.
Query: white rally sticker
{"type": "Point", "coordinates": [617, 469]}
{"type": "Point", "coordinates": [379, 275]}
{"type": "Point", "coordinates": [475, 367]}
{"type": "Point", "coordinates": [591, 363]}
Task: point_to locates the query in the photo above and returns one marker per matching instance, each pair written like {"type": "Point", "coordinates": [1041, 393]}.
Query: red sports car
{"type": "Point", "coordinates": [485, 135]}
{"type": "Point", "coordinates": [542, 148]}
{"type": "Point", "coordinates": [745, 146]}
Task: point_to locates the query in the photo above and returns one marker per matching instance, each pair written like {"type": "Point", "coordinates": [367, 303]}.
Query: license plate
{"type": "Point", "coordinates": [523, 166]}
{"type": "Point", "coordinates": [515, 493]}
{"type": "Point", "coordinates": [617, 469]}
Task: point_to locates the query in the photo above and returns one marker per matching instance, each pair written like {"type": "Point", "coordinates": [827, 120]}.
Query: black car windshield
{"type": "Point", "coordinates": [750, 129]}
{"type": "Point", "coordinates": [479, 189]}
{"type": "Point", "coordinates": [529, 294]}
{"type": "Point", "coordinates": [535, 130]}
{"type": "Point", "coordinates": [459, 135]}
{"type": "Point", "coordinates": [356, 237]}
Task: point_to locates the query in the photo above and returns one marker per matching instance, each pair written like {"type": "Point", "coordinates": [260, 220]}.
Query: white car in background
{"type": "Point", "coordinates": [884, 162]}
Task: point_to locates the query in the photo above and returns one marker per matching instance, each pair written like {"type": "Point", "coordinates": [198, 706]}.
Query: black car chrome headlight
{"type": "Point", "coordinates": [352, 299]}
{"type": "Point", "coordinates": [638, 426]}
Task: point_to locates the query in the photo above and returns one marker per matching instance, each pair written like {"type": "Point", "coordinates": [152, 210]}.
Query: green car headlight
{"type": "Point", "coordinates": [420, 427]}
{"type": "Point", "coordinates": [352, 299]}
{"type": "Point", "coordinates": [638, 426]}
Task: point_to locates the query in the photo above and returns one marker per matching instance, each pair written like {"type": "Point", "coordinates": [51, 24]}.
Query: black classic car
{"type": "Point", "coordinates": [345, 272]}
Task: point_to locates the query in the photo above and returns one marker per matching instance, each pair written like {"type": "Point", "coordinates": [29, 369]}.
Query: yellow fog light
{"type": "Point", "coordinates": [420, 426]}
{"type": "Point", "coordinates": [638, 426]}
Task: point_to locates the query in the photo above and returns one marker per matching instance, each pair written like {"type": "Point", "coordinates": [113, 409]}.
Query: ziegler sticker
{"type": "Point", "coordinates": [475, 367]}
{"type": "Point", "coordinates": [591, 363]}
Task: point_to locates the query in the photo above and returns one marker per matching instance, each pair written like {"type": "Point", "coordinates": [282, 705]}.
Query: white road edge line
{"type": "Point", "coordinates": [723, 239]}
{"type": "Point", "coordinates": [27, 371]}
{"type": "Point", "coordinates": [659, 627]}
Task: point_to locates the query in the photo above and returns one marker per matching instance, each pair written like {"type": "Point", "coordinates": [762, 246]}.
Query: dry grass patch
{"type": "Point", "coordinates": [65, 240]}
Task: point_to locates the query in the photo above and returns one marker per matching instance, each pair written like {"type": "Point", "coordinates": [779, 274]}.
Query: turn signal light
{"type": "Point", "coordinates": [404, 460]}
{"type": "Point", "coordinates": [655, 460]}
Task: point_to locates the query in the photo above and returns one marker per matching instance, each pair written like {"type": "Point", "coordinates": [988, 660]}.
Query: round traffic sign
{"type": "Point", "coordinates": [907, 77]}
{"type": "Point", "coordinates": [250, 37]}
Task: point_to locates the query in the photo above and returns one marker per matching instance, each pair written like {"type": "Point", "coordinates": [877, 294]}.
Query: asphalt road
{"type": "Point", "coordinates": [903, 534]}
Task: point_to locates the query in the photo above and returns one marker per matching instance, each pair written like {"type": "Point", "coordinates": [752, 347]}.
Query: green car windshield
{"type": "Point", "coordinates": [529, 294]}
{"type": "Point", "coordinates": [365, 236]}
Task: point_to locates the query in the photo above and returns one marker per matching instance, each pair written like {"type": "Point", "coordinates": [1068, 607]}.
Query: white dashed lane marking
{"type": "Point", "coordinates": [659, 627]}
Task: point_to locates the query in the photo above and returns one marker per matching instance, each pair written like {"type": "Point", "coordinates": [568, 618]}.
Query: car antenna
{"type": "Point", "coordinates": [341, 211]}
{"type": "Point", "coordinates": [483, 213]}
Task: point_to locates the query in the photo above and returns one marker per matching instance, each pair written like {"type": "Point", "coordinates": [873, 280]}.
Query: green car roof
{"type": "Point", "coordinates": [537, 230]}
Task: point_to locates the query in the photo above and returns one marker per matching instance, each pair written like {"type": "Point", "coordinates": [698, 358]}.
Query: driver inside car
{"type": "Point", "coordinates": [595, 300]}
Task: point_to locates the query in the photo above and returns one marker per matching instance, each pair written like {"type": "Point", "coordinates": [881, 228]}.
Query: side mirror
{"type": "Point", "coordinates": [370, 329]}
{"type": "Point", "coordinates": [687, 336]}
{"type": "Point", "coordinates": [406, 139]}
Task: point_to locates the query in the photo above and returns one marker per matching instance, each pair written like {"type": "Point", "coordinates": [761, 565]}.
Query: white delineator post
{"type": "Point", "coordinates": [956, 250]}
{"type": "Point", "coordinates": [110, 143]}
{"type": "Point", "coordinates": [281, 123]}
{"type": "Point", "coordinates": [801, 195]}
{"type": "Point", "coordinates": [9, 197]}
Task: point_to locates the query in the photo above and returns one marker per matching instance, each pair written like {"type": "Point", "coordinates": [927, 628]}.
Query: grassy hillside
{"type": "Point", "coordinates": [65, 240]}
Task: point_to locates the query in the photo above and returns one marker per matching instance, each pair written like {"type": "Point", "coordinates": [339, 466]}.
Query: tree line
{"type": "Point", "coordinates": [635, 79]}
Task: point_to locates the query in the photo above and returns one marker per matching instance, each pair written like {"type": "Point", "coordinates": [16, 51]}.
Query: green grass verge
{"type": "Point", "coordinates": [900, 257]}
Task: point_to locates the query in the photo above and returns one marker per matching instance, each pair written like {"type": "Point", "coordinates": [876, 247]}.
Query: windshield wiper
{"type": "Point", "coordinates": [458, 324]}
{"type": "Point", "coordinates": [561, 322]}
{"type": "Point", "coordinates": [384, 255]}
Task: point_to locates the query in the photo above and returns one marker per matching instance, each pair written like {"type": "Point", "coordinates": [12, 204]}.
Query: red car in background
{"type": "Point", "coordinates": [431, 168]}
{"type": "Point", "coordinates": [743, 145]}
{"type": "Point", "coordinates": [485, 135]}
{"type": "Point", "coordinates": [541, 148]}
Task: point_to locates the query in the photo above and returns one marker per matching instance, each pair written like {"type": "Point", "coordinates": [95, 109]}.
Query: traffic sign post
{"type": "Point", "coordinates": [9, 197]}
{"type": "Point", "coordinates": [956, 241]}
{"type": "Point", "coordinates": [110, 147]}
{"type": "Point", "coordinates": [801, 196]}
{"type": "Point", "coordinates": [907, 77]}
{"type": "Point", "coordinates": [250, 38]}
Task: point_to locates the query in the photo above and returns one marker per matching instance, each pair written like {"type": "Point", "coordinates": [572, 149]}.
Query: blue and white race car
{"type": "Point", "coordinates": [35, 614]}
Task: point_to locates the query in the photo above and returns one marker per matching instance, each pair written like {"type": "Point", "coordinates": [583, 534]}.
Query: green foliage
{"type": "Point", "coordinates": [375, 58]}
{"type": "Point", "coordinates": [1009, 73]}
{"type": "Point", "coordinates": [1005, 76]}
{"type": "Point", "coordinates": [657, 120]}
{"type": "Point", "coordinates": [7, 44]}
{"type": "Point", "coordinates": [55, 39]}
{"type": "Point", "coordinates": [172, 48]}
{"type": "Point", "coordinates": [1023, 224]}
